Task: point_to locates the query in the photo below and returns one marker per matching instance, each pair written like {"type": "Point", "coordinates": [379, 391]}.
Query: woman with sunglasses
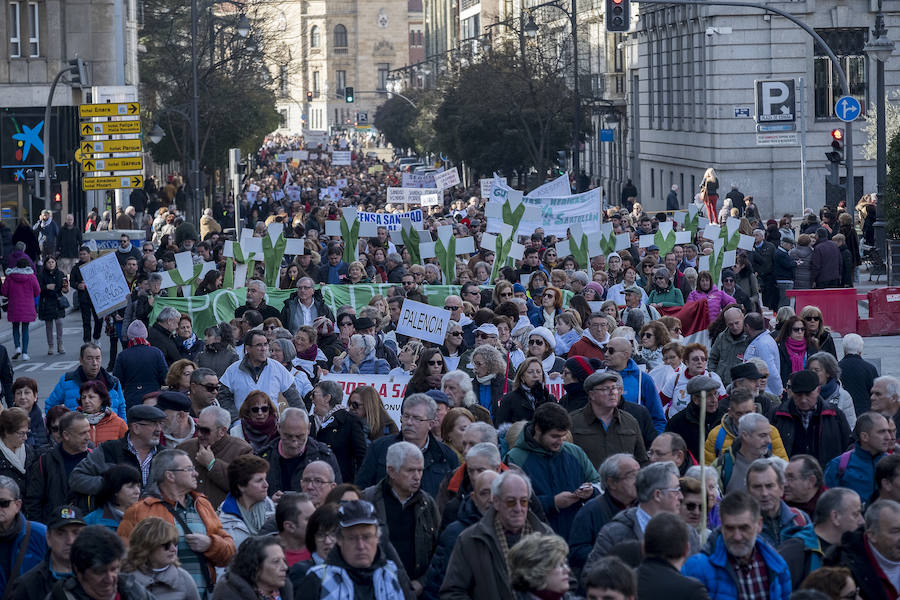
{"type": "Point", "coordinates": [664, 293]}
{"type": "Point", "coordinates": [454, 345]}
{"type": "Point", "coordinates": [795, 346]}
{"type": "Point", "coordinates": [528, 393]}
{"type": "Point", "coordinates": [365, 403]}
{"type": "Point", "coordinates": [549, 259]}
{"type": "Point", "coordinates": [673, 393]}
{"type": "Point", "coordinates": [536, 284]}
{"type": "Point", "coordinates": [815, 327]}
{"type": "Point", "coordinates": [541, 343]}
{"type": "Point", "coordinates": [547, 308]}
{"type": "Point", "coordinates": [15, 454]}
{"type": "Point", "coordinates": [503, 292]}
{"type": "Point", "coordinates": [428, 373]}
{"type": "Point", "coordinates": [258, 421]}
{"type": "Point", "coordinates": [153, 561]}
{"type": "Point", "coordinates": [691, 509]}
{"type": "Point", "coordinates": [653, 337]}
{"type": "Point", "coordinates": [409, 357]}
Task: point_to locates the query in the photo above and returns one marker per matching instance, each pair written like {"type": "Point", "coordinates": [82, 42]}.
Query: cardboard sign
{"type": "Point", "coordinates": [487, 184]}
{"type": "Point", "coordinates": [401, 195]}
{"type": "Point", "coordinates": [446, 179]}
{"type": "Point", "coordinates": [417, 180]}
{"type": "Point", "coordinates": [340, 158]}
{"type": "Point", "coordinates": [431, 200]}
{"type": "Point", "coordinates": [106, 284]}
{"type": "Point", "coordinates": [423, 322]}
{"type": "Point", "coordinates": [391, 389]}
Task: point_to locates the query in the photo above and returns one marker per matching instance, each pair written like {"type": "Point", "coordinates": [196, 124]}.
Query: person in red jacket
{"type": "Point", "coordinates": [594, 338]}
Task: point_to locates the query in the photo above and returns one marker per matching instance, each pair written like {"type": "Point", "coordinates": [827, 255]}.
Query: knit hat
{"type": "Point", "coordinates": [546, 334]}
{"type": "Point", "coordinates": [581, 276]}
{"type": "Point", "coordinates": [581, 366]}
{"type": "Point", "coordinates": [137, 329]}
{"type": "Point", "coordinates": [518, 288]}
{"type": "Point", "coordinates": [596, 287]}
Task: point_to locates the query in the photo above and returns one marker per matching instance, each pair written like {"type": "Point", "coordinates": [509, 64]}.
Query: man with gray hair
{"type": "Point", "coordinates": [15, 528]}
{"type": "Point", "coordinates": [754, 441]}
{"type": "Point", "coordinates": [417, 416]}
{"type": "Point", "coordinates": [872, 554]}
{"type": "Point", "coordinates": [857, 374]}
{"type": "Point", "coordinates": [765, 482]}
{"type": "Point", "coordinates": [394, 265]}
{"type": "Point", "coordinates": [457, 485]}
{"type": "Point", "coordinates": [657, 491]}
{"type": "Point", "coordinates": [292, 451]}
{"type": "Point", "coordinates": [303, 307]}
{"type": "Point", "coordinates": [162, 332]}
{"type": "Point", "coordinates": [256, 300]}
{"type": "Point", "coordinates": [212, 451]}
{"type": "Point", "coordinates": [410, 515]}
{"type": "Point", "coordinates": [885, 397]}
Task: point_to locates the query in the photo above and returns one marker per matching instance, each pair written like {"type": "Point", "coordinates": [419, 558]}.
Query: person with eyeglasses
{"type": "Point", "coordinates": [411, 289]}
{"type": "Point", "coordinates": [173, 498]}
{"type": "Point", "coordinates": [471, 571]}
{"type": "Point", "coordinates": [304, 306]}
{"type": "Point", "coordinates": [204, 390]}
{"type": "Point", "coordinates": [795, 346]}
{"type": "Point", "coordinates": [730, 287]}
{"type": "Point", "coordinates": [257, 421]}
{"type": "Point", "coordinates": [152, 561]}
{"type": "Point", "coordinates": [14, 525]}
{"type": "Point", "coordinates": [428, 373]}
{"type": "Point", "coordinates": [663, 292]}
{"type": "Point", "coordinates": [830, 583]}
{"type": "Point", "coordinates": [692, 504]}
{"type": "Point", "coordinates": [256, 300]}
{"type": "Point", "coordinates": [360, 357]}
{"type": "Point", "coordinates": [212, 451]}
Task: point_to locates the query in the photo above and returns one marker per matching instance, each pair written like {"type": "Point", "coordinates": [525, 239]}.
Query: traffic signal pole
{"type": "Point", "coordinates": [46, 134]}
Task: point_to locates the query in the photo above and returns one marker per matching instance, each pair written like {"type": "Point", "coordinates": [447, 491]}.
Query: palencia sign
{"type": "Point", "coordinates": [423, 321]}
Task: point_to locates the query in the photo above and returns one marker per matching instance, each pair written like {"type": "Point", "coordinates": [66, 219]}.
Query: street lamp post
{"type": "Point", "coordinates": [880, 48]}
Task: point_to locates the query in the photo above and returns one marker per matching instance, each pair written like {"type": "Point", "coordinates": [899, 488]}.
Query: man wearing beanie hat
{"type": "Point", "coordinates": [806, 425]}
{"type": "Point", "coordinates": [140, 367]}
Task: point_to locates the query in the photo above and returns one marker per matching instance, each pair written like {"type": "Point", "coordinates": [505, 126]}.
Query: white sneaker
{"type": "Point", "coordinates": [26, 357]}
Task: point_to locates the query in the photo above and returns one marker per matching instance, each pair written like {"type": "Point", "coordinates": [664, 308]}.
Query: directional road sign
{"type": "Point", "coordinates": [111, 146]}
{"type": "Point", "coordinates": [112, 183]}
{"type": "Point", "coordinates": [775, 100]}
{"type": "Point", "coordinates": [847, 108]}
{"type": "Point", "coordinates": [110, 128]}
{"type": "Point", "coordinates": [112, 109]}
{"type": "Point", "coordinates": [113, 164]}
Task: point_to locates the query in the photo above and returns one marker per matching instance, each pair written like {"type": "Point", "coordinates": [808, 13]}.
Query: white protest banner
{"type": "Point", "coordinates": [340, 158]}
{"type": "Point", "coordinates": [552, 189]}
{"type": "Point", "coordinates": [446, 179]}
{"type": "Point", "coordinates": [403, 195]}
{"type": "Point", "coordinates": [106, 284]}
{"type": "Point", "coordinates": [423, 322]}
{"type": "Point", "coordinates": [391, 220]}
{"type": "Point", "coordinates": [391, 389]}
{"type": "Point", "coordinates": [315, 138]}
{"type": "Point", "coordinates": [417, 180]}
{"type": "Point", "coordinates": [558, 214]}
{"type": "Point", "coordinates": [431, 200]}
{"type": "Point", "coordinates": [486, 185]}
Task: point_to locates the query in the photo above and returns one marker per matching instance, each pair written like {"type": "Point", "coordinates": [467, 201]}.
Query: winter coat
{"type": "Point", "coordinates": [716, 300]}
{"type": "Point", "coordinates": [855, 553]}
{"type": "Point", "coordinates": [500, 386]}
{"type": "Point", "coordinates": [763, 259]}
{"type": "Point", "coordinates": [263, 309]}
{"type": "Point", "coordinates": [440, 459]}
{"type": "Point", "coordinates": [38, 438]}
{"type": "Point", "coordinates": [858, 473]}
{"type": "Point", "coordinates": [173, 583]}
{"type": "Point", "coordinates": [69, 242]}
{"type": "Point", "coordinates": [427, 519]}
{"type": "Point", "coordinates": [21, 287]}
{"type": "Point", "coordinates": [657, 578]}
{"type": "Point", "coordinates": [161, 338]}
{"type": "Point", "coordinates": [722, 436]}
{"type": "Point", "coordinates": [841, 399]}
{"type": "Point", "coordinates": [370, 365]}
{"type": "Point", "coordinates": [326, 270]}
{"type": "Point", "coordinates": [517, 406]}
{"type": "Point", "coordinates": [208, 225]}
{"type": "Point", "coordinates": [47, 486]}
{"type": "Point", "coordinates": [686, 423]}
{"type": "Point", "coordinates": [103, 516]}
{"type": "Point", "coordinates": [623, 434]}
{"type": "Point", "coordinates": [466, 516]}
{"type": "Point", "coordinates": [477, 567]}
{"type": "Point", "coordinates": [36, 583]}
{"type": "Point", "coordinates": [126, 589]}
{"type": "Point", "coordinates": [68, 391]}
{"type": "Point", "coordinates": [713, 568]}
{"type": "Point", "coordinates": [234, 587]}
{"type": "Point", "coordinates": [802, 550]}
{"type": "Point", "coordinates": [784, 361]}
{"type": "Point", "coordinates": [84, 297]}
{"type": "Point", "coordinates": [8, 469]}
{"type": "Point", "coordinates": [217, 357]}
{"type": "Point", "coordinates": [36, 551]}
{"type": "Point", "coordinates": [784, 266]}
{"type": "Point", "coordinates": [345, 434]}
{"type": "Point", "coordinates": [727, 352]}
{"type": "Point", "coordinates": [847, 266]}
{"type": "Point", "coordinates": [348, 583]}
{"type": "Point", "coordinates": [857, 378]}
{"type": "Point", "coordinates": [87, 477]}
{"type": "Point", "coordinates": [803, 273]}
{"type": "Point", "coordinates": [233, 522]}
{"type": "Point", "coordinates": [638, 387]}
{"type": "Point", "coordinates": [551, 472]}
{"type": "Point", "coordinates": [828, 425]}
{"type": "Point", "coordinates": [48, 305]}
{"type": "Point", "coordinates": [213, 483]}
{"type": "Point", "coordinates": [312, 452]}
{"type": "Point", "coordinates": [669, 297]}
{"type": "Point", "coordinates": [590, 519]}
{"type": "Point", "coordinates": [786, 517]}
{"type": "Point", "coordinates": [826, 342]}
{"type": "Point", "coordinates": [25, 234]}
{"type": "Point", "coordinates": [141, 370]}
{"type": "Point", "coordinates": [291, 311]}
{"type": "Point", "coordinates": [825, 264]}
{"type": "Point", "coordinates": [588, 347]}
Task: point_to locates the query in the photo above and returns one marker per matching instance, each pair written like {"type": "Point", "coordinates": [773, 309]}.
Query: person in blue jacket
{"type": "Point", "coordinates": [561, 473]}
{"type": "Point", "coordinates": [737, 542]}
{"type": "Point", "coordinates": [68, 389]}
{"type": "Point", "coordinates": [638, 386]}
{"type": "Point", "coordinates": [855, 468]}
{"type": "Point", "coordinates": [14, 529]}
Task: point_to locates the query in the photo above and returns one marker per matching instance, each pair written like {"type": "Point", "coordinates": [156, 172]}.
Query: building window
{"type": "Point", "coordinates": [470, 27]}
{"type": "Point", "coordinates": [341, 81]}
{"type": "Point", "coordinates": [34, 46]}
{"type": "Point", "coordinates": [314, 37]}
{"type": "Point", "coordinates": [383, 69]}
{"type": "Point", "coordinates": [284, 118]}
{"type": "Point", "coordinates": [315, 85]}
{"type": "Point", "coordinates": [284, 80]}
{"type": "Point", "coordinates": [340, 39]}
{"type": "Point", "coordinates": [847, 45]}
{"type": "Point", "coordinates": [15, 30]}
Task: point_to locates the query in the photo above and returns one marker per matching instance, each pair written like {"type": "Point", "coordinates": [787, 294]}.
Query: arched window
{"type": "Point", "coordinates": [340, 39]}
{"type": "Point", "coordinates": [314, 37]}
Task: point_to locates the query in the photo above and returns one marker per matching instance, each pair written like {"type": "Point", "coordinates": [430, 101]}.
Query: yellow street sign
{"type": "Point", "coordinates": [79, 156]}
{"type": "Point", "coordinates": [111, 127]}
{"type": "Point", "coordinates": [112, 109]}
{"type": "Point", "coordinates": [113, 164]}
{"type": "Point", "coordinates": [108, 146]}
{"type": "Point", "coordinates": [112, 183]}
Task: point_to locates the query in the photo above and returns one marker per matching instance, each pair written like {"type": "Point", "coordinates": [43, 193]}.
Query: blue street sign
{"type": "Point", "coordinates": [607, 135]}
{"type": "Point", "coordinates": [847, 108]}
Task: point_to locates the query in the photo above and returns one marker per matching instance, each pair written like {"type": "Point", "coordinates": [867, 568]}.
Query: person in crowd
{"type": "Point", "coordinates": [318, 481]}
{"type": "Point", "coordinates": [429, 372]}
{"type": "Point", "coordinates": [636, 388]}
{"type": "Point", "coordinates": [825, 366]}
{"type": "Point", "coordinates": [567, 331]}
{"type": "Point", "coordinates": [15, 455]}
{"type": "Point", "coordinates": [161, 334]}
{"type": "Point", "coordinates": [653, 337]}
{"type": "Point", "coordinates": [831, 583]}
{"type": "Point", "coordinates": [730, 345]}
{"type": "Point", "coordinates": [68, 389]}
{"type": "Point", "coordinates": [600, 428]}
{"type": "Point", "coordinates": [152, 560]}
{"type": "Point", "coordinates": [257, 421]}
{"type": "Point", "coordinates": [411, 352]}
{"type": "Point", "coordinates": [562, 473]}
{"type": "Point", "coordinates": [85, 305]}
{"type": "Point", "coordinates": [611, 579]}
{"type": "Point", "coordinates": [53, 302]}
{"type": "Point", "coordinates": [365, 403]}
{"type": "Point", "coordinates": [334, 270]}
{"type": "Point", "coordinates": [178, 377]}
{"type": "Point", "coordinates": [804, 483]}
{"type": "Point", "coordinates": [855, 469]}
{"type": "Point", "coordinates": [458, 485]}
{"type": "Point", "coordinates": [179, 426]}
{"type": "Point", "coordinates": [839, 511]}
{"type": "Point", "coordinates": [703, 392]}
{"type": "Point", "coordinates": [319, 538]}
{"type": "Point", "coordinates": [807, 425]}
{"type": "Point", "coordinates": [140, 368]}
{"type": "Point", "coordinates": [816, 328]}
{"type": "Point", "coordinates": [257, 571]}
{"type": "Point", "coordinates": [754, 441]}
{"type": "Point", "coordinates": [23, 394]}
{"type": "Point", "coordinates": [468, 574]}
{"type": "Point", "coordinates": [105, 425]}
{"type": "Point", "coordinates": [765, 482]}
{"type": "Point", "coordinates": [293, 450]}
{"type": "Point", "coordinates": [247, 506]}
{"type": "Point", "coordinates": [674, 392]}
{"type": "Point", "coordinates": [454, 426]}
{"type": "Point", "coordinates": [663, 292]}
{"type": "Point", "coordinates": [762, 345]}
{"type": "Point", "coordinates": [491, 371]}
{"type": "Point", "coordinates": [24, 542]}
{"type": "Point", "coordinates": [218, 349]}
{"type": "Point", "coordinates": [171, 495]}
{"type": "Point", "coordinates": [47, 484]}
{"type": "Point", "coordinates": [338, 429]}
{"type": "Point", "coordinates": [417, 415]}
{"type": "Point", "coordinates": [666, 548]}
{"type": "Point", "coordinates": [121, 488]}
{"type": "Point", "coordinates": [410, 516]}
{"type": "Point", "coordinates": [538, 567]}
{"type": "Point", "coordinates": [825, 262]}
{"type": "Point", "coordinates": [740, 403]}
{"type": "Point", "coordinates": [256, 300]}
{"type": "Point", "coordinates": [360, 358]}
{"type": "Point", "coordinates": [885, 397]}
{"type": "Point", "coordinates": [593, 339]}
{"type": "Point", "coordinates": [212, 451]}
{"type": "Point", "coordinates": [857, 374]}
{"type": "Point", "coordinates": [738, 543]}
{"type": "Point", "coordinates": [527, 394]}
{"type": "Point", "coordinates": [292, 515]}
{"type": "Point", "coordinates": [189, 346]}
{"type": "Point", "coordinates": [303, 307]}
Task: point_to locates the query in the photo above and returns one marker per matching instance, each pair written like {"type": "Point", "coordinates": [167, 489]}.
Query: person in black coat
{"type": "Point", "coordinates": [855, 553]}
{"type": "Point", "coordinates": [52, 282]}
{"type": "Point", "coordinates": [528, 393]}
{"type": "Point", "coordinates": [141, 368]}
{"type": "Point", "coordinates": [160, 335]}
{"type": "Point", "coordinates": [857, 374]}
{"type": "Point", "coordinates": [666, 547]}
{"type": "Point", "coordinates": [287, 460]}
{"type": "Point", "coordinates": [6, 376]}
{"type": "Point", "coordinates": [338, 429]}
{"type": "Point", "coordinates": [686, 423]}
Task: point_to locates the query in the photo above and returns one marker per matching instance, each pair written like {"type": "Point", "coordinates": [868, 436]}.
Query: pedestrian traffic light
{"type": "Point", "coordinates": [309, 96]}
{"type": "Point", "coordinates": [56, 194]}
{"type": "Point", "coordinates": [78, 71]}
{"type": "Point", "coordinates": [348, 95]}
{"type": "Point", "coordinates": [618, 15]}
{"type": "Point", "coordinates": [561, 163]}
{"type": "Point", "coordinates": [837, 146]}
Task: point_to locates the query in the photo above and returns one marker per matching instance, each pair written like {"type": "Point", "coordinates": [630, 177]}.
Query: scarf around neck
{"type": "Point", "coordinates": [255, 516]}
{"type": "Point", "coordinates": [138, 341]}
{"type": "Point", "coordinates": [796, 350]}
{"type": "Point", "coordinates": [260, 435]}
{"type": "Point", "coordinates": [16, 458]}
{"type": "Point", "coordinates": [189, 342]}
{"type": "Point", "coordinates": [309, 354]}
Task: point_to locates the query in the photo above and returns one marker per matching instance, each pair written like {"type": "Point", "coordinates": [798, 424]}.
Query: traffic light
{"type": "Point", "coordinates": [837, 146]}
{"type": "Point", "coordinates": [309, 96]}
{"type": "Point", "coordinates": [348, 95]}
{"type": "Point", "coordinates": [78, 70]}
{"type": "Point", "coordinates": [56, 194]}
{"type": "Point", "coordinates": [618, 15]}
{"type": "Point", "coordinates": [561, 163]}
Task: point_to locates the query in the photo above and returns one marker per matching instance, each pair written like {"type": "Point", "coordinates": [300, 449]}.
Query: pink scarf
{"type": "Point", "coordinates": [796, 350]}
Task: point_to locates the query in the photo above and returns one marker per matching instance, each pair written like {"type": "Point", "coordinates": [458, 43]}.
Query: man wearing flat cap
{"type": "Point", "coordinates": [137, 448]}
{"type": "Point", "coordinates": [686, 423]}
{"type": "Point", "coordinates": [600, 428]}
{"type": "Point", "coordinates": [178, 426]}
{"type": "Point", "coordinates": [806, 424]}
{"type": "Point", "coordinates": [635, 300]}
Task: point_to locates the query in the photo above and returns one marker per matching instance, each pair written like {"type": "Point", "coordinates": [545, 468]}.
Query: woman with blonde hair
{"type": "Point", "coordinates": [815, 328]}
{"type": "Point", "coordinates": [152, 560]}
{"type": "Point", "coordinates": [538, 567]}
{"type": "Point", "coordinates": [365, 403]}
{"type": "Point", "coordinates": [178, 378]}
{"type": "Point", "coordinates": [709, 189]}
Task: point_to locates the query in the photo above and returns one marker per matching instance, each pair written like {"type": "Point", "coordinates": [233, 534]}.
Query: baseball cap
{"type": "Point", "coordinates": [633, 289]}
{"type": "Point", "coordinates": [65, 515]}
{"type": "Point", "coordinates": [439, 397]}
{"type": "Point", "coordinates": [356, 512]}
{"type": "Point", "coordinates": [489, 329]}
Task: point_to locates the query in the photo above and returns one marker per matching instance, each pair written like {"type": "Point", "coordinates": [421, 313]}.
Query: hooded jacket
{"type": "Point", "coordinates": [638, 387]}
{"type": "Point", "coordinates": [21, 288]}
{"type": "Point", "coordinates": [716, 300]}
